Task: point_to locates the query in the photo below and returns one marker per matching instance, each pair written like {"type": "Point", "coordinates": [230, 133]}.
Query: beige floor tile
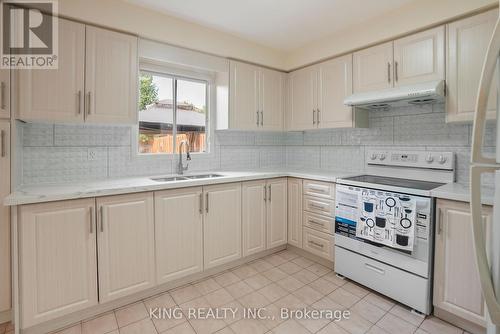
{"type": "Point", "coordinates": [142, 327]}
{"type": "Point", "coordinates": [248, 326]}
{"type": "Point", "coordinates": [275, 260]}
{"type": "Point", "coordinates": [75, 329]}
{"type": "Point", "coordinates": [288, 254]}
{"type": "Point", "coordinates": [200, 302]}
{"type": "Point", "coordinates": [225, 330]}
{"type": "Point", "coordinates": [164, 324]}
{"type": "Point", "coordinates": [318, 269]}
{"type": "Point", "coordinates": [100, 325]}
{"type": "Point", "coordinates": [343, 297]}
{"type": "Point", "coordinates": [395, 325]}
{"type": "Point", "coordinates": [238, 312]}
{"type": "Point", "coordinates": [254, 299]}
{"type": "Point", "coordinates": [207, 285]}
{"type": "Point", "coordinates": [380, 301]}
{"type": "Point", "coordinates": [290, 327]}
{"type": "Point", "coordinates": [433, 325]}
{"type": "Point", "coordinates": [184, 328]}
{"type": "Point", "coordinates": [305, 276]}
{"type": "Point", "coordinates": [244, 271]}
{"type": "Point", "coordinates": [368, 311]}
{"type": "Point", "coordinates": [290, 268]}
{"type": "Point", "coordinates": [260, 265]}
{"type": "Point", "coordinates": [355, 324]}
{"type": "Point", "coordinates": [273, 314]}
{"type": "Point", "coordinates": [332, 277]}
{"type": "Point", "coordinates": [332, 328]}
{"type": "Point", "coordinates": [219, 297]}
{"type": "Point", "coordinates": [405, 313]}
{"type": "Point", "coordinates": [131, 313]}
{"type": "Point", "coordinates": [290, 284]}
{"type": "Point", "coordinates": [376, 330]}
{"type": "Point", "coordinates": [308, 294]}
{"type": "Point", "coordinates": [275, 274]}
{"type": "Point", "coordinates": [258, 281]}
{"type": "Point", "coordinates": [356, 289]}
{"type": "Point", "coordinates": [184, 294]}
{"type": "Point", "coordinates": [273, 292]}
{"type": "Point", "coordinates": [239, 289]}
{"type": "Point", "coordinates": [324, 286]}
{"type": "Point", "coordinates": [290, 302]}
{"type": "Point", "coordinates": [421, 331]}
{"type": "Point", "coordinates": [207, 326]}
{"type": "Point", "coordinates": [226, 278]}
{"type": "Point", "coordinates": [326, 303]}
{"type": "Point", "coordinates": [313, 325]}
{"type": "Point", "coordinates": [302, 261]}
{"type": "Point", "coordinates": [162, 300]}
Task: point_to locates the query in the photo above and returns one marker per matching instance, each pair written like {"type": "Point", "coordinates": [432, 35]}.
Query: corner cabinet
{"type": "Point", "coordinates": [276, 213]}
{"type": "Point", "coordinates": [58, 267]}
{"type": "Point", "coordinates": [295, 212]}
{"type": "Point", "coordinates": [254, 215]}
{"type": "Point", "coordinates": [256, 98]}
{"type": "Point", "coordinates": [468, 41]}
{"type": "Point", "coordinates": [457, 289]}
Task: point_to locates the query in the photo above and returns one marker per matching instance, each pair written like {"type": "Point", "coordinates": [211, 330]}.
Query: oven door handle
{"type": "Point", "coordinates": [375, 269]}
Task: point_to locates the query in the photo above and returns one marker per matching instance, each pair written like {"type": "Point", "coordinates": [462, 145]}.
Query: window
{"type": "Point", "coordinates": [172, 110]}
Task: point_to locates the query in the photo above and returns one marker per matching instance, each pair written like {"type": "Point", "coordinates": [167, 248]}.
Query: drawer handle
{"type": "Point", "coordinates": [319, 207]}
{"type": "Point", "coordinates": [317, 190]}
{"type": "Point", "coordinates": [315, 222]}
{"type": "Point", "coordinates": [375, 269]}
{"type": "Point", "coordinates": [316, 244]}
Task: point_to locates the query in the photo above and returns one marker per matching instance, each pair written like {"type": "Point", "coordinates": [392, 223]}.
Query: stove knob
{"type": "Point", "coordinates": [382, 156]}
{"type": "Point", "coordinates": [442, 159]}
{"type": "Point", "coordinates": [429, 158]}
{"type": "Point", "coordinates": [373, 156]}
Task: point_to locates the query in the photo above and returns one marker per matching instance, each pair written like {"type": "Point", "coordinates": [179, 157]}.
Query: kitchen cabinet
{"type": "Point", "coordinates": [256, 97]}
{"type": "Point", "coordinates": [5, 273]}
{"type": "Point", "coordinates": [302, 99]}
{"type": "Point", "coordinates": [467, 43]}
{"type": "Point", "coordinates": [222, 224]}
{"type": "Point", "coordinates": [254, 213]}
{"type": "Point", "coordinates": [96, 80]}
{"type": "Point", "coordinates": [457, 288]}
{"type": "Point", "coordinates": [318, 243]}
{"type": "Point", "coordinates": [125, 240]}
{"type": "Point", "coordinates": [58, 263]}
{"type": "Point", "coordinates": [276, 212]}
{"type": "Point", "coordinates": [294, 212]}
{"type": "Point", "coordinates": [178, 233]}
{"type": "Point", "coordinates": [372, 68]}
{"type": "Point", "coordinates": [4, 93]}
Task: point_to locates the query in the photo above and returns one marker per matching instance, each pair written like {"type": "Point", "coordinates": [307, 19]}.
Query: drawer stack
{"type": "Point", "coordinates": [318, 218]}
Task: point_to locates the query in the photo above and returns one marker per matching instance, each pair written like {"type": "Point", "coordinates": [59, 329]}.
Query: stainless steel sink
{"type": "Point", "coordinates": [203, 176]}
{"type": "Point", "coordinates": [169, 179]}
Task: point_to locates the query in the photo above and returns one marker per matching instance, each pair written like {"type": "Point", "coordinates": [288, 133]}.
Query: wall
{"type": "Point", "coordinates": [59, 153]}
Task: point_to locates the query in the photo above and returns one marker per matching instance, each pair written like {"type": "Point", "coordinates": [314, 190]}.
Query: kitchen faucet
{"type": "Point", "coordinates": [180, 167]}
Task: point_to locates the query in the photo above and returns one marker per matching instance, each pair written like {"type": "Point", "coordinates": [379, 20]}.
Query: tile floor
{"type": "Point", "coordinates": [284, 279]}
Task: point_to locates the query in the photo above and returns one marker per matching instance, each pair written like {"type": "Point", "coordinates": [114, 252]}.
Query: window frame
{"type": "Point", "coordinates": [178, 72]}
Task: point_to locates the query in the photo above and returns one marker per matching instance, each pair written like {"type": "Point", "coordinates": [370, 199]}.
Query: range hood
{"type": "Point", "coordinates": [417, 94]}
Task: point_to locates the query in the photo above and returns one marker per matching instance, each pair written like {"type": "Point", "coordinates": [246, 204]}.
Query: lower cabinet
{"type": "Point", "coordinates": [318, 243]}
{"type": "Point", "coordinates": [222, 224]}
{"type": "Point", "coordinates": [295, 212]}
{"type": "Point", "coordinates": [125, 240]}
{"type": "Point", "coordinates": [5, 272]}
{"type": "Point", "coordinates": [58, 263]}
{"type": "Point", "coordinates": [178, 233]}
{"type": "Point", "coordinates": [276, 212]}
{"type": "Point", "coordinates": [457, 288]}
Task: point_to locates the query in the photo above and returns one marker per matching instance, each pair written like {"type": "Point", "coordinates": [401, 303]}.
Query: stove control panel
{"type": "Point", "coordinates": [418, 159]}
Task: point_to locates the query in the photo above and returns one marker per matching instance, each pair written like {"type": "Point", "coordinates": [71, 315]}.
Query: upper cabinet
{"type": "Point", "coordinates": [4, 94]}
{"type": "Point", "coordinates": [256, 98]}
{"type": "Point", "coordinates": [96, 80]}
{"type": "Point", "coordinates": [373, 68]}
{"type": "Point", "coordinates": [316, 97]}
{"type": "Point", "coordinates": [468, 41]}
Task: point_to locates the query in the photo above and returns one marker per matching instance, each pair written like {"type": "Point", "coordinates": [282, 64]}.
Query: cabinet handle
{"type": "Point", "coordinates": [389, 72]}
{"type": "Point", "coordinates": [79, 102]}
{"type": "Point", "coordinates": [206, 200]}
{"type": "Point", "coordinates": [396, 71]}
{"type": "Point", "coordinates": [2, 138]}
{"type": "Point", "coordinates": [200, 206]}
{"type": "Point", "coordinates": [258, 122]}
{"type": "Point", "coordinates": [314, 116]}
{"type": "Point", "coordinates": [270, 192]}
{"type": "Point", "coordinates": [317, 116]}
{"type": "Point", "coordinates": [317, 190]}
{"type": "Point", "coordinates": [261, 118]}
{"type": "Point", "coordinates": [265, 193]}
{"type": "Point", "coordinates": [376, 269]}
{"type": "Point", "coordinates": [91, 220]}
{"type": "Point", "coordinates": [102, 218]}
{"type": "Point", "coordinates": [2, 93]}
{"type": "Point", "coordinates": [319, 207]}
{"type": "Point", "coordinates": [88, 103]}
{"type": "Point", "coordinates": [316, 223]}
{"type": "Point", "coordinates": [316, 244]}
{"type": "Point", "coordinates": [440, 221]}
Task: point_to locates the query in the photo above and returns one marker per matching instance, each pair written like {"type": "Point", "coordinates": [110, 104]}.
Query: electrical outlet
{"type": "Point", "coordinates": [91, 154]}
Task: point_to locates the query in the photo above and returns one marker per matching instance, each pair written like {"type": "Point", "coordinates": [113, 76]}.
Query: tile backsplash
{"type": "Point", "coordinates": [69, 153]}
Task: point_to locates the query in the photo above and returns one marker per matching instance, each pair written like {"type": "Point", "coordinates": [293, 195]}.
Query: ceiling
{"type": "Point", "coordinates": [281, 24]}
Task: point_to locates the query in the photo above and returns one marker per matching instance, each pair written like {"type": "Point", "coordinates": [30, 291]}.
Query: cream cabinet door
{"type": "Point", "coordinates": [276, 212]}
{"type": "Point", "coordinates": [4, 94]}
{"type": "Point", "coordinates": [5, 272]}
{"type": "Point", "coordinates": [272, 89]}
{"type": "Point", "coordinates": [419, 57]}
{"type": "Point", "coordinates": [58, 263]}
{"type": "Point", "coordinates": [56, 95]}
{"type": "Point", "coordinates": [302, 99]}
{"type": "Point", "coordinates": [456, 281]}
{"type": "Point", "coordinates": [125, 245]}
{"type": "Point", "coordinates": [254, 217]}
{"type": "Point", "coordinates": [295, 212]}
{"type": "Point", "coordinates": [468, 41]}
{"type": "Point", "coordinates": [111, 77]}
{"type": "Point", "coordinates": [222, 224]}
{"type": "Point", "coordinates": [245, 109]}
{"type": "Point", "coordinates": [372, 68]}
{"type": "Point", "coordinates": [178, 233]}
{"type": "Point", "coordinates": [334, 85]}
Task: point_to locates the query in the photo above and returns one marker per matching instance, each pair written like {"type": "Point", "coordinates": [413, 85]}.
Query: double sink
{"type": "Point", "coordinates": [185, 178]}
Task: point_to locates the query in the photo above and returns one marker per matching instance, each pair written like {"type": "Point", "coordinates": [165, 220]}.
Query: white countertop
{"type": "Point", "coordinates": [63, 191]}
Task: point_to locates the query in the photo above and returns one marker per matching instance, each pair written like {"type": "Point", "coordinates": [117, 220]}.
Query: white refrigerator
{"type": "Point", "coordinates": [489, 270]}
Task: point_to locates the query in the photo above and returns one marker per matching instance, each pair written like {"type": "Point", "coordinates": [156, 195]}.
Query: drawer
{"type": "Point", "coordinates": [318, 243]}
{"type": "Point", "coordinates": [320, 206]}
{"type": "Point", "coordinates": [319, 189]}
{"type": "Point", "coordinates": [318, 222]}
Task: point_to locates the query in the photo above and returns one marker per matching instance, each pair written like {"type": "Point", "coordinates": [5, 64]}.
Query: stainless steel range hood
{"type": "Point", "coordinates": [417, 94]}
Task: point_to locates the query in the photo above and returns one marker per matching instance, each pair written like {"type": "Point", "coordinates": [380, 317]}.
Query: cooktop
{"type": "Point", "coordinates": [395, 182]}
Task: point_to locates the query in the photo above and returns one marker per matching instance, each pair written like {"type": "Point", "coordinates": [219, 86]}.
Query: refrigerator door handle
{"type": "Point", "coordinates": [488, 71]}
{"type": "Point", "coordinates": [485, 276]}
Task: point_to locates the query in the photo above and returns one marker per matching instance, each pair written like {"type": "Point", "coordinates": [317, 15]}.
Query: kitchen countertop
{"type": "Point", "coordinates": [29, 194]}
